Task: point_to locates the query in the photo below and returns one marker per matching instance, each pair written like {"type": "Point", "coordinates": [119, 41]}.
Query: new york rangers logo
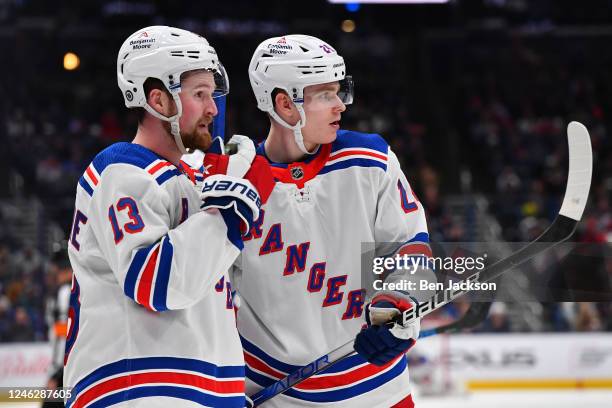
{"type": "Point", "coordinates": [297, 173]}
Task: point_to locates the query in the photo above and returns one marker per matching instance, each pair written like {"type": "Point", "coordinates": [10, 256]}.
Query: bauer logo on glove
{"type": "Point", "coordinates": [243, 188]}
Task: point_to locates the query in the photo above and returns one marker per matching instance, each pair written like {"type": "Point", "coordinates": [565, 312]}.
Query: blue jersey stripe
{"type": "Point", "coordinates": [189, 394]}
{"type": "Point", "coordinates": [352, 391]}
{"type": "Point", "coordinates": [420, 237]}
{"type": "Point", "coordinates": [259, 379]}
{"type": "Point", "coordinates": [359, 162]}
{"type": "Point", "coordinates": [160, 292]}
{"type": "Point", "coordinates": [338, 394]}
{"type": "Point", "coordinates": [271, 361]}
{"type": "Point", "coordinates": [98, 171]}
{"type": "Point", "coordinates": [86, 186]}
{"type": "Point", "coordinates": [167, 175]}
{"type": "Point", "coordinates": [157, 363]}
{"type": "Point", "coordinates": [346, 364]}
{"type": "Point", "coordinates": [129, 286]}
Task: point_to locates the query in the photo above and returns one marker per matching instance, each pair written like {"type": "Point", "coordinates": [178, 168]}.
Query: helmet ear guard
{"type": "Point", "coordinates": [292, 63]}
{"type": "Point", "coordinates": [165, 53]}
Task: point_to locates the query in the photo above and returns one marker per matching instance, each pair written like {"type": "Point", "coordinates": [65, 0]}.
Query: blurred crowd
{"type": "Point", "coordinates": [465, 113]}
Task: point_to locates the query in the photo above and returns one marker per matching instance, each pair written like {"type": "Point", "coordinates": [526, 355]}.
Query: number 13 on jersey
{"type": "Point", "coordinates": [136, 224]}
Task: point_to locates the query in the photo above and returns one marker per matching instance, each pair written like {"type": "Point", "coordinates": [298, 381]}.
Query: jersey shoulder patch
{"type": "Point", "coordinates": [131, 154]}
{"type": "Point", "coordinates": [356, 149]}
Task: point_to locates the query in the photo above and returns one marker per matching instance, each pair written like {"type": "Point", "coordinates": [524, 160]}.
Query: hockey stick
{"type": "Point", "coordinates": [562, 228]}
{"type": "Point", "coordinates": [477, 312]}
{"type": "Point", "coordinates": [474, 315]}
{"type": "Point", "coordinates": [218, 127]}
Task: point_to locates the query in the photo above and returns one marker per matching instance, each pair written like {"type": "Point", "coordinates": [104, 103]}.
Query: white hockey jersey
{"type": "Point", "coordinates": [299, 273]}
{"type": "Point", "coordinates": [151, 320]}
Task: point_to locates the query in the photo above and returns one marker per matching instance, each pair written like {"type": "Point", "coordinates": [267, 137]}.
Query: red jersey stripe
{"type": "Point", "coordinates": [327, 380]}
{"type": "Point", "coordinates": [163, 377]}
{"type": "Point", "coordinates": [158, 166]}
{"type": "Point", "coordinates": [259, 365]}
{"type": "Point", "coordinates": [143, 295]}
{"type": "Point", "coordinates": [345, 378]}
{"type": "Point", "coordinates": [415, 249]}
{"type": "Point", "coordinates": [357, 152]}
{"type": "Point", "coordinates": [91, 175]}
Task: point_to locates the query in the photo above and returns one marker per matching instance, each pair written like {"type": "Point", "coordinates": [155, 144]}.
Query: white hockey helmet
{"type": "Point", "coordinates": [291, 63]}
{"type": "Point", "coordinates": [165, 53]}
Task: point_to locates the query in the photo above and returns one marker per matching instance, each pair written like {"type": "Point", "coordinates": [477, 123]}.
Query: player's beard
{"type": "Point", "coordinates": [198, 137]}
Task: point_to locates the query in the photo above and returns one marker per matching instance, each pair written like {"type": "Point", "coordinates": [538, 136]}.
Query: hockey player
{"type": "Point", "coordinates": [300, 287]}
{"type": "Point", "coordinates": [151, 320]}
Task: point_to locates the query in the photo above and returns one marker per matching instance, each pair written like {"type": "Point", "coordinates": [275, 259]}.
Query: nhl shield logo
{"type": "Point", "coordinates": [297, 173]}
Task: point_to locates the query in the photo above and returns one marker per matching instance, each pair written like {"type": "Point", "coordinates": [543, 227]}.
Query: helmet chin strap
{"type": "Point", "coordinates": [297, 129]}
{"type": "Point", "coordinates": [175, 128]}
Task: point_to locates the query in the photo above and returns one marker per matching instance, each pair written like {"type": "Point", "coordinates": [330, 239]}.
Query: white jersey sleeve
{"type": "Point", "coordinates": [158, 267]}
{"type": "Point", "coordinates": [400, 216]}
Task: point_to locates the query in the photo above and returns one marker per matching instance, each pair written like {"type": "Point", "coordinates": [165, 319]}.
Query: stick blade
{"type": "Point", "coordinates": [580, 171]}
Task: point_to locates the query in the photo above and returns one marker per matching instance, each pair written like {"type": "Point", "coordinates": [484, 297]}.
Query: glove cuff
{"type": "Point", "coordinates": [393, 298]}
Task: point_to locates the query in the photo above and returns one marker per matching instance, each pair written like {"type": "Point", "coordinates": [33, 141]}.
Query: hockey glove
{"type": "Point", "coordinates": [236, 165]}
{"type": "Point", "coordinates": [231, 193]}
{"type": "Point", "coordinates": [225, 188]}
{"type": "Point", "coordinates": [383, 341]}
{"type": "Point", "coordinates": [243, 164]}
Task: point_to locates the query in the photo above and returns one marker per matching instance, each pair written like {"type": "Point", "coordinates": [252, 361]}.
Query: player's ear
{"type": "Point", "coordinates": [284, 107]}
{"type": "Point", "coordinates": [282, 101]}
{"type": "Point", "coordinates": [161, 102]}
